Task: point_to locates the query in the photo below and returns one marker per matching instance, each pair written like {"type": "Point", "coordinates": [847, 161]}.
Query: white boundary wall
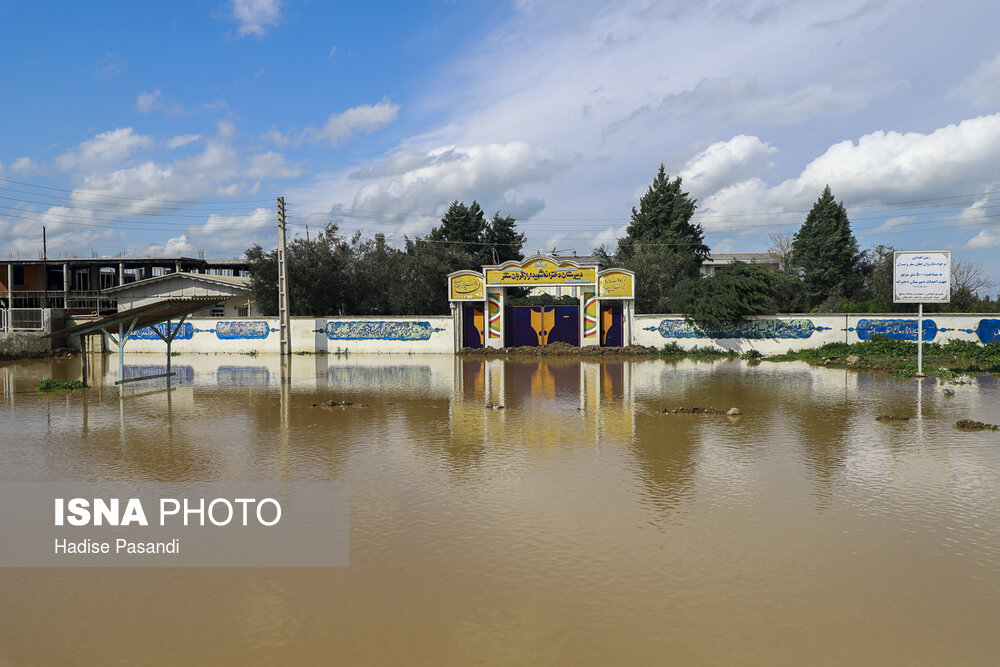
{"type": "Point", "coordinates": [354, 335]}
{"type": "Point", "coordinates": [436, 335]}
{"type": "Point", "coordinates": [780, 333]}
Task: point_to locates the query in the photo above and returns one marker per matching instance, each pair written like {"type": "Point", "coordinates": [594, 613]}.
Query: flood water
{"type": "Point", "coordinates": [576, 526]}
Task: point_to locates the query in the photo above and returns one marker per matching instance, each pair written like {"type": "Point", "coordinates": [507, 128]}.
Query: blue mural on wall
{"type": "Point", "coordinates": [379, 330]}
{"type": "Point", "coordinates": [988, 331]}
{"type": "Point", "coordinates": [895, 329]}
{"type": "Point", "coordinates": [750, 329]}
{"type": "Point", "coordinates": [146, 333]}
{"type": "Point", "coordinates": [230, 330]}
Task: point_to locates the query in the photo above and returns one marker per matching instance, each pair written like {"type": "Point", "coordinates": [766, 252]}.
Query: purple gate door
{"type": "Point", "coordinates": [531, 326]}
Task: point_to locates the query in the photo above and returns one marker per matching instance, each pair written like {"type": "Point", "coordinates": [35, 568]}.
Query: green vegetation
{"type": "Point", "coordinates": [825, 252]}
{"type": "Point", "coordinates": [51, 384]}
{"type": "Point", "coordinates": [332, 275]}
{"type": "Point", "coordinates": [899, 358]}
{"type": "Point", "coordinates": [820, 268]}
{"type": "Point", "coordinates": [660, 244]}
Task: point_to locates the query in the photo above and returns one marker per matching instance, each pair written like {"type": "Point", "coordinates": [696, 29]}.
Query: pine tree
{"type": "Point", "coordinates": [661, 245]}
{"type": "Point", "coordinates": [825, 251]}
{"type": "Point", "coordinates": [664, 218]}
{"type": "Point", "coordinates": [502, 240]}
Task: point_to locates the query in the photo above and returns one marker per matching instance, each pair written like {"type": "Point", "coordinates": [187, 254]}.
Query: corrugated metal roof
{"type": "Point", "coordinates": [143, 316]}
{"type": "Point", "coordinates": [228, 281]}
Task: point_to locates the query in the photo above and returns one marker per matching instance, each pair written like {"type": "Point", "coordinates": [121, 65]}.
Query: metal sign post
{"type": "Point", "coordinates": [921, 277]}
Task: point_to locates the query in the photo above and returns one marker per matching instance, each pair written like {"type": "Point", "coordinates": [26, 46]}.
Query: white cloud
{"type": "Point", "coordinates": [333, 51]}
{"type": "Point", "coordinates": [256, 16]}
{"type": "Point", "coordinates": [105, 149]}
{"type": "Point", "coordinates": [895, 222]}
{"type": "Point", "coordinates": [174, 246]}
{"type": "Point", "coordinates": [986, 238]}
{"type": "Point", "coordinates": [881, 166]}
{"type": "Point", "coordinates": [982, 87]}
{"type": "Point", "coordinates": [494, 174]}
{"type": "Point", "coordinates": [364, 118]}
{"type": "Point", "coordinates": [182, 140]}
{"type": "Point", "coordinates": [24, 165]}
{"type": "Point", "coordinates": [726, 162]}
{"type": "Point", "coordinates": [146, 102]}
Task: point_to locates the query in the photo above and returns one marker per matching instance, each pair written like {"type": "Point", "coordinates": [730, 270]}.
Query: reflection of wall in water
{"type": "Point", "coordinates": [411, 377]}
{"type": "Point", "coordinates": [242, 376]}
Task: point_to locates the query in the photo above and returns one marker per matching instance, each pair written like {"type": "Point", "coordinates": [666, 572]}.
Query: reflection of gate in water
{"type": "Point", "coordinates": [531, 326]}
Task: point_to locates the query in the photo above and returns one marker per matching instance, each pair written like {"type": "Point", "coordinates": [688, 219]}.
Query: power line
{"type": "Point", "coordinates": [143, 199]}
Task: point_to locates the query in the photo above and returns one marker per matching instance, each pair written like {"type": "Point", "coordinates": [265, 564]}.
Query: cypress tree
{"type": "Point", "coordinates": [825, 251]}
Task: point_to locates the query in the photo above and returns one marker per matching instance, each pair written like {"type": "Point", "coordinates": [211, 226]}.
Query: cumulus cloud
{"type": "Point", "coordinates": [879, 167]}
{"type": "Point", "coordinates": [24, 165]}
{"type": "Point", "coordinates": [256, 16]}
{"type": "Point", "coordinates": [364, 118]}
{"type": "Point", "coordinates": [104, 149]}
{"type": "Point", "coordinates": [494, 174]}
{"type": "Point", "coordinates": [982, 87]}
{"type": "Point", "coordinates": [726, 162]}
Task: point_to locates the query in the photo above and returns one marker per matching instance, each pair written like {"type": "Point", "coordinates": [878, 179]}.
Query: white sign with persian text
{"type": "Point", "coordinates": [921, 277]}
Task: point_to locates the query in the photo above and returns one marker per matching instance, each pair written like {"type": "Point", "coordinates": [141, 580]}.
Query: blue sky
{"type": "Point", "coordinates": [377, 115]}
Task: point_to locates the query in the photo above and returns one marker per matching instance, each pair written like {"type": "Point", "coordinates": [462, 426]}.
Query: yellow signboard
{"type": "Point", "coordinates": [615, 285]}
{"type": "Point", "coordinates": [468, 287]}
{"type": "Point", "coordinates": [541, 272]}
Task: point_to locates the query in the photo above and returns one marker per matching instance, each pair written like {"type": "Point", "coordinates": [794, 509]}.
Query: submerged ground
{"type": "Point", "coordinates": [577, 525]}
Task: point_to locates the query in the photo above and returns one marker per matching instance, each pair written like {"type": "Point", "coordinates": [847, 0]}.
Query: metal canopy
{"type": "Point", "coordinates": [143, 316]}
{"type": "Point", "coordinates": [128, 321]}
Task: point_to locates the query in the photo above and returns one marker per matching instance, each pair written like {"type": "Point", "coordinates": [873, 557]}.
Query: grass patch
{"type": "Point", "coordinates": [898, 358]}
{"type": "Point", "coordinates": [50, 384]}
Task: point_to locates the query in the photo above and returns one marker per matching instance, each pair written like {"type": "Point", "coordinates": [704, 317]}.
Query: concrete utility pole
{"type": "Point", "coordinates": [285, 325]}
{"type": "Point", "coordinates": [45, 270]}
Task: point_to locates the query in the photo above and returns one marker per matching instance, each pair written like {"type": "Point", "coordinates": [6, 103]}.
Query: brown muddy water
{"type": "Point", "coordinates": [576, 526]}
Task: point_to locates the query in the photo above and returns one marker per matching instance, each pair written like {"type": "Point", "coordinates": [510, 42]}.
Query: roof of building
{"type": "Point", "coordinates": [227, 281]}
{"type": "Point", "coordinates": [758, 257]}
{"type": "Point", "coordinates": [143, 316]}
{"type": "Point", "coordinates": [145, 261]}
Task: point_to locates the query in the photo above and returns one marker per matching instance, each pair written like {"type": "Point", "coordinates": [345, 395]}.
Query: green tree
{"type": "Point", "coordinates": [737, 290]}
{"type": "Point", "coordinates": [825, 251]}
{"type": "Point", "coordinates": [664, 218]}
{"type": "Point", "coordinates": [661, 244]}
{"type": "Point", "coordinates": [320, 275]}
{"type": "Point", "coordinates": [502, 241]}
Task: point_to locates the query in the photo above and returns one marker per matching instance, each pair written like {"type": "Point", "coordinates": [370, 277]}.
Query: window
{"type": "Point", "coordinates": [243, 311]}
{"type": "Point", "coordinates": [218, 310]}
{"type": "Point", "coordinates": [18, 275]}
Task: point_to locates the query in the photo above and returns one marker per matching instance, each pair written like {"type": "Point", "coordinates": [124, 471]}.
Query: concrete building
{"type": "Point", "coordinates": [233, 293]}
{"type": "Point", "coordinates": [768, 260]}
{"type": "Point", "coordinates": [76, 284]}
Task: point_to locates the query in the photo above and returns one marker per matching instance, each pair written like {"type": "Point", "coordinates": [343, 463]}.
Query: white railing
{"type": "Point", "coordinates": [3, 319]}
{"type": "Point", "coordinates": [25, 319]}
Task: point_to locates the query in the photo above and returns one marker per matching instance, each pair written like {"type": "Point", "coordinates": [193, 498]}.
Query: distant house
{"type": "Point", "coordinates": [233, 292]}
{"type": "Point", "coordinates": [767, 260]}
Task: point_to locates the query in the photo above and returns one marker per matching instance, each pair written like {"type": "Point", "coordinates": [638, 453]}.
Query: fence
{"type": "Point", "coordinates": [22, 319]}
{"type": "Point", "coordinates": [89, 300]}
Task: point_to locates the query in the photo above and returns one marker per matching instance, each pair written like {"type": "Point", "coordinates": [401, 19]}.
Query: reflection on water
{"type": "Point", "coordinates": [574, 524]}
